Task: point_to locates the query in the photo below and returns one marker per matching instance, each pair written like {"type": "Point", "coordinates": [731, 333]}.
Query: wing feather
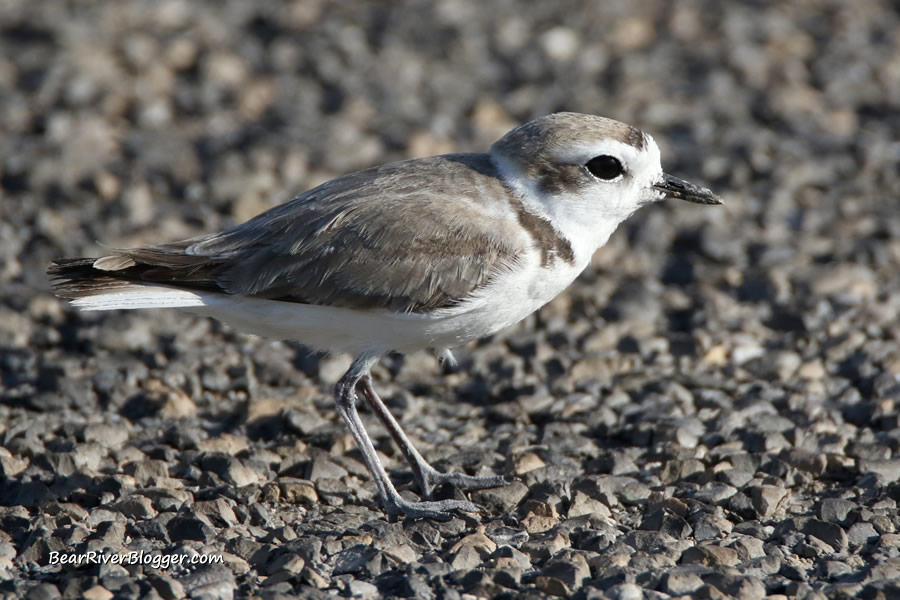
{"type": "Point", "coordinates": [373, 239]}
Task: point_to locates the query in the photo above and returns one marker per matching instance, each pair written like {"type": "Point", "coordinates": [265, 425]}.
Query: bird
{"type": "Point", "coordinates": [426, 253]}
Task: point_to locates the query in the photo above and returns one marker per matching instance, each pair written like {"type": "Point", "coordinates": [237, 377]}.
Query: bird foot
{"type": "Point", "coordinates": [428, 509]}
{"type": "Point", "coordinates": [432, 478]}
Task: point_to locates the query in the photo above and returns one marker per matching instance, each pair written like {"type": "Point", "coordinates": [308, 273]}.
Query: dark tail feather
{"type": "Point", "coordinates": [166, 264]}
{"type": "Point", "coordinates": [76, 278]}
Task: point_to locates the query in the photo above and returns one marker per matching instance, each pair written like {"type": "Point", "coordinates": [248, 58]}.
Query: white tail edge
{"type": "Point", "coordinates": [140, 296]}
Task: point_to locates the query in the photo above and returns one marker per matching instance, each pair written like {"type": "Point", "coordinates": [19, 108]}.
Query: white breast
{"type": "Point", "coordinates": [511, 297]}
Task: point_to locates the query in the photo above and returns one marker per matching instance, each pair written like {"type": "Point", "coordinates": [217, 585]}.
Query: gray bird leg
{"type": "Point", "coordinates": [425, 475]}
{"type": "Point", "coordinates": [394, 504]}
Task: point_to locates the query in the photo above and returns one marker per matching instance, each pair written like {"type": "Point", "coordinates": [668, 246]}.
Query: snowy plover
{"type": "Point", "coordinates": [425, 253]}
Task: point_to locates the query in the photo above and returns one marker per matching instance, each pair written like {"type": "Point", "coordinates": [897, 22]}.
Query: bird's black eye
{"type": "Point", "coordinates": [605, 167]}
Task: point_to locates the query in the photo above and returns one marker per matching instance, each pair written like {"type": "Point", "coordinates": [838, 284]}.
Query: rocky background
{"type": "Point", "coordinates": [710, 411]}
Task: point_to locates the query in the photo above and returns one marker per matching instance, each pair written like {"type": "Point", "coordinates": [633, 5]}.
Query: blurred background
{"type": "Point", "coordinates": [125, 123]}
{"type": "Point", "coordinates": [770, 324]}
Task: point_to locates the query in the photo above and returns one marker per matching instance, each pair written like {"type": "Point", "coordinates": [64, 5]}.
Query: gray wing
{"type": "Point", "coordinates": [373, 239]}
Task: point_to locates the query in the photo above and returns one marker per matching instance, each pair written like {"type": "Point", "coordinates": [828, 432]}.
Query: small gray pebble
{"type": "Point", "coordinates": [835, 510]}
{"type": "Point", "coordinates": [861, 534]}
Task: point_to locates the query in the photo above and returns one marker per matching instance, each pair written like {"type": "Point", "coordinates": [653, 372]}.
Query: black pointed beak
{"type": "Point", "coordinates": [673, 187]}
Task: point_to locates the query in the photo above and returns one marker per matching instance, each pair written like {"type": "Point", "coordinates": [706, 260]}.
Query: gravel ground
{"type": "Point", "coordinates": [710, 411]}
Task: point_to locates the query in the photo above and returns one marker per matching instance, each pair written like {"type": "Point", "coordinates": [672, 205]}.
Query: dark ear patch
{"type": "Point", "coordinates": [557, 179]}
